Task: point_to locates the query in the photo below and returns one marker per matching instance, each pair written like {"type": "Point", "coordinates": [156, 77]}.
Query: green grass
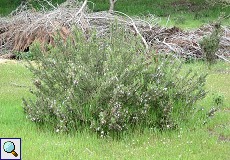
{"type": "Point", "coordinates": [192, 141]}
{"type": "Point", "coordinates": [6, 6]}
{"type": "Point", "coordinates": [183, 14]}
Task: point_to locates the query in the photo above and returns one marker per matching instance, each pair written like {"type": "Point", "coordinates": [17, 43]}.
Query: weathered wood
{"type": "Point", "coordinates": [112, 5]}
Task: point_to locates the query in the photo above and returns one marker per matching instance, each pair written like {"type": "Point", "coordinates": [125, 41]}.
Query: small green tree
{"type": "Point", "coordinates": [210, 44]}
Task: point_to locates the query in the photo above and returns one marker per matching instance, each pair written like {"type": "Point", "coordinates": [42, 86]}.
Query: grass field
{"type": "Point", "coordinates": [182, 13]}
{"type": "Point", "coordinates": [192, 141]}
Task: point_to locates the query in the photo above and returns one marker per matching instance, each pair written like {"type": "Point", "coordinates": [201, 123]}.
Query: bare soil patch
{"type": "Point", "coordinates": [7, 61]}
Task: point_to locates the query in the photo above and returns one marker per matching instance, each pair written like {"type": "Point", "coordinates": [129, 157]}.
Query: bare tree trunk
{"type": "Point", "coordinates": [112, 3]}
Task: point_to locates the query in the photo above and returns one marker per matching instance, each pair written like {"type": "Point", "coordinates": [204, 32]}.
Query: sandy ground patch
{"type": "Point", "coordinates": [7, 61]}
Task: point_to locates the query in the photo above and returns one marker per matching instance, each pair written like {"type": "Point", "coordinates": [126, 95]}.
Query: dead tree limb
{"type": "Point", "coordinates": [136, 30]}
{"type": "Point", "coordinates": [82, 7]}
{"type": "Point", "coordinates": [222, 57]}
{"type": "Point", "coordinates": [112, 4]}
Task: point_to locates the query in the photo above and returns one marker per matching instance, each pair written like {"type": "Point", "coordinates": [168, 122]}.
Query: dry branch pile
{"type": "Point", "coordinates": [185, 43]}
{"type": "Point", "coordinates": [25, 25]}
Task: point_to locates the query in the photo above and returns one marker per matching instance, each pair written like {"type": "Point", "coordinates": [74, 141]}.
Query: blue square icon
{"type": "Point", "coordinates": [10, 149]}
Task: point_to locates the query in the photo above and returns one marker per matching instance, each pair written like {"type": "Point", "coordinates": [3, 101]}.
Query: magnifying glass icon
{"type": "Point", "coordinates": [9, 147]}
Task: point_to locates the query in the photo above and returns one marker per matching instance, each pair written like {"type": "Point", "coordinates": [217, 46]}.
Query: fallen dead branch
{"type": "Point", "coordinates": [136, 29]}
{"type": "Point", "coordinates": [221, 57]}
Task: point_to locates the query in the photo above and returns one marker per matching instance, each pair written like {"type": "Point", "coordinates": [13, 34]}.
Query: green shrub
{"type": "Point", "coordinates": [218, 100]}
{"type": "Point", "coordinates": [109, 85]}
{"type": "Point", "coordinates": [210, 44]}
{"type": "Point", "coordinates": [24, 55]}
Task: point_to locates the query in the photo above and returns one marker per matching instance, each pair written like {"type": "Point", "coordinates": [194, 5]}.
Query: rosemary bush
{"type": "Point", "coordinates": [109, 85]}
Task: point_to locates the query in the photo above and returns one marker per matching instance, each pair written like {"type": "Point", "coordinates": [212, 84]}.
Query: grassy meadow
{"type": "Point", "coordinates": [192, 141]}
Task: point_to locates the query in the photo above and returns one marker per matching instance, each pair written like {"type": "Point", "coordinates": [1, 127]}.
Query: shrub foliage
{"type": "Point", "coordinates": [210, 44]}
{"type": "Point", "coordinates": [109, 85]}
